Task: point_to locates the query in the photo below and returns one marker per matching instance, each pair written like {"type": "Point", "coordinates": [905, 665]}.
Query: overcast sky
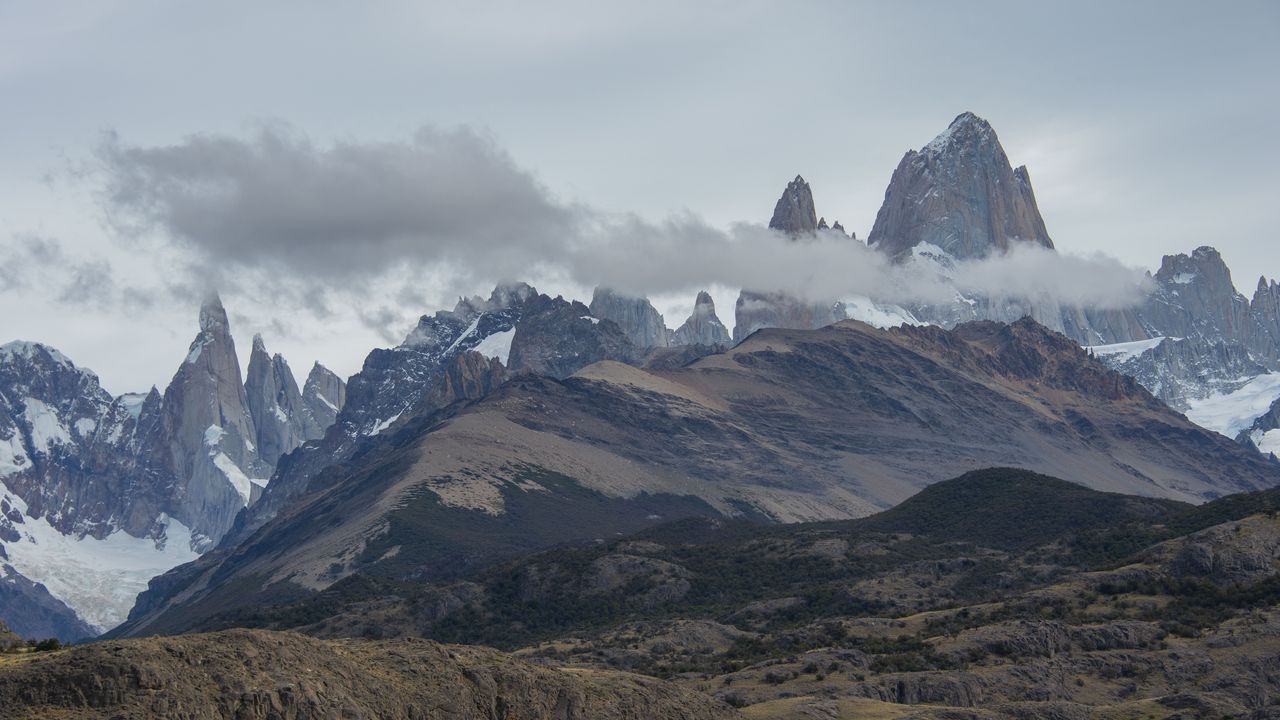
{"type": "Point", "coordinates": [1148, 128]}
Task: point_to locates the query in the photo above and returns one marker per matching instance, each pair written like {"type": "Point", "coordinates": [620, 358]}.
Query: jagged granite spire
{"type": "Point", "coordinates": [280, 417]}
{"type": "Point", "coordinates": [960, 194]}
{"type": "Point", "coordinates": [643, 324]}
{"type": "Point", "coordinates": [794, 214]}
{"type": "Point", "coordinates": [324, 394]}
{"type": "Point", "coordinates": [208, 431]}
{"type": "Point", "coordinates": [702, 327]}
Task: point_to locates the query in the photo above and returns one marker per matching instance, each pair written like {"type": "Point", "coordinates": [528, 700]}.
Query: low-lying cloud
{"type": "Point", "coordinates": [350, 212]}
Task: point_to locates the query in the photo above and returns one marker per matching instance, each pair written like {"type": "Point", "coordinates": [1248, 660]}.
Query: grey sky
{"type": "Point", "coordinates": [1148, 127]}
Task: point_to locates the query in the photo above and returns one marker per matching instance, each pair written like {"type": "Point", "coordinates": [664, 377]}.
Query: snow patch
{"type": "Point", "coordinates": [1267, 442]}
{"type": "Point", "coordinates": [98, 579]}
{"type": "Point", "coordinates": [1125, 350]}
{"type": "Point", "coordinates": [1184, 278]}
{"type": "Point", "coordinates": [241, 482]}
{"type": "Point", "coordinates": [85, 426]}
{"type": "Point", "coordinates": [213, 435]}
{"type": "Point", "coordinates": [594, 321]}
{"type": "Point", "coordinates": [497, 345]}
{"type": "Point", "coordinates": [385, 423]}
{"type": "Point", "coordinates": [877, 315]}
{"type": "Point", "coordinates": [132, 403]}
{"type": "Point", "coordinates": [465, 334]}
{"type": "Point", "coordinates": [46, 428]}
{"type": "Point", "coordinates": [1230, 413]}
{"type": "Point", "coordinates": [326, 401]}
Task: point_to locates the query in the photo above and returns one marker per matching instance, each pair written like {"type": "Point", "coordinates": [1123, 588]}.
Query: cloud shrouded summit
{"type": "Point", "coordinates": [453, 199]}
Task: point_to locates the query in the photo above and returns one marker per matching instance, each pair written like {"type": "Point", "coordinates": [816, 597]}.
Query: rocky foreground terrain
{"type": "Point", "coordinates": [255, 675]}
{"type": "Point", "coordinates": [999, 594]}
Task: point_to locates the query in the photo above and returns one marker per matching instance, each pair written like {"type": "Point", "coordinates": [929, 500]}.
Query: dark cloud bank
{"type": "Point", "coordinates": [347, 213]}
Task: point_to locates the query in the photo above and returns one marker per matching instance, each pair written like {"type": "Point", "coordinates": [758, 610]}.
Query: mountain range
{"type": "Point", "coordinates": [521, 421]}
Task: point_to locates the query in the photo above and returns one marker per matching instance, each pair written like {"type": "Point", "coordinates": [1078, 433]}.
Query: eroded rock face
{"type": "Point", "coordinates": [960, 194]}
{"type": "Point", "coordinates": [794, 213]}
{"type": "Point", "coordinates": [703, 327]}
{"type": "Point", "coordinates": [635, 315]}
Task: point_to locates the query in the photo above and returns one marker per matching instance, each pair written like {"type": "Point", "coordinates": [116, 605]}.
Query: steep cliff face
{"type": "Point", "coordinates": [209, 432]}
{"type": "Point", "coordinates": [794, 212]}
{"type": "Point", "coordinates": [959, 193]}
{"type": "Point", "coordinates": [324, 394]}
{"type": "Point", "coordinates": [1262, 331]}
{"type": "Point", "coordinates": [1194, 297]}
{"type": "Point", "coordinates": [702, 327]}
{"type": "Point", "coordinates": [281, 420]}
{"type": "Point", "coordinates": [644, 325]}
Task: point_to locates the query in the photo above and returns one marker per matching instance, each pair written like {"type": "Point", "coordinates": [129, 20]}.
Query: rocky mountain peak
{"type": "Point", "coordinates": [1204, 264]}
{"type": "Point", "coordinates": [960, 194]}
{"type": "Point", "coordinates": [702, 327]}
{"type": "Point", "coordinates": [281, 420]}
{"type": "Point", "coordinates": [794, 213]}
{"type": "Point", "coordinates": [1203, 273]}
{"type": "Point", "coordinates": [505, 295]}
{"type": "Point", "coordinates": [324, 394]}
{"type": "Point", "coordinates": [967, 132]}
{"type": "Point", "coordinates": [213, 316]}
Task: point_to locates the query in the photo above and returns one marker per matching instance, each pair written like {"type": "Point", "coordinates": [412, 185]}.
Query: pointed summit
{"type": "Point", "coordinates": [967, 130]}
{"type": "Point", "coordinates": [960, 194]}
{"type": "Point", "coordinates": [280, 419]}
{"type": "Point", "coordinates": [325, 394]}
{"type": "Point", "coordinates": [702, 327]}
{"type": "Point", "coordinates": [794, 214]}
{"type": "Point", "coordinates": [212, 315]}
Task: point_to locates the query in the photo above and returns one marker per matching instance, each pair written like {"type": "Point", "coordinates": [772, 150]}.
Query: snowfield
{"type": "Point", "coordinates": [1232, 412]}
{"type": "Point", "coordinates": [98, 579]}
{"type": "Point", "coordinates": [1123, 351]}
{"type": "Point", "coordinates": [497, 345]}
